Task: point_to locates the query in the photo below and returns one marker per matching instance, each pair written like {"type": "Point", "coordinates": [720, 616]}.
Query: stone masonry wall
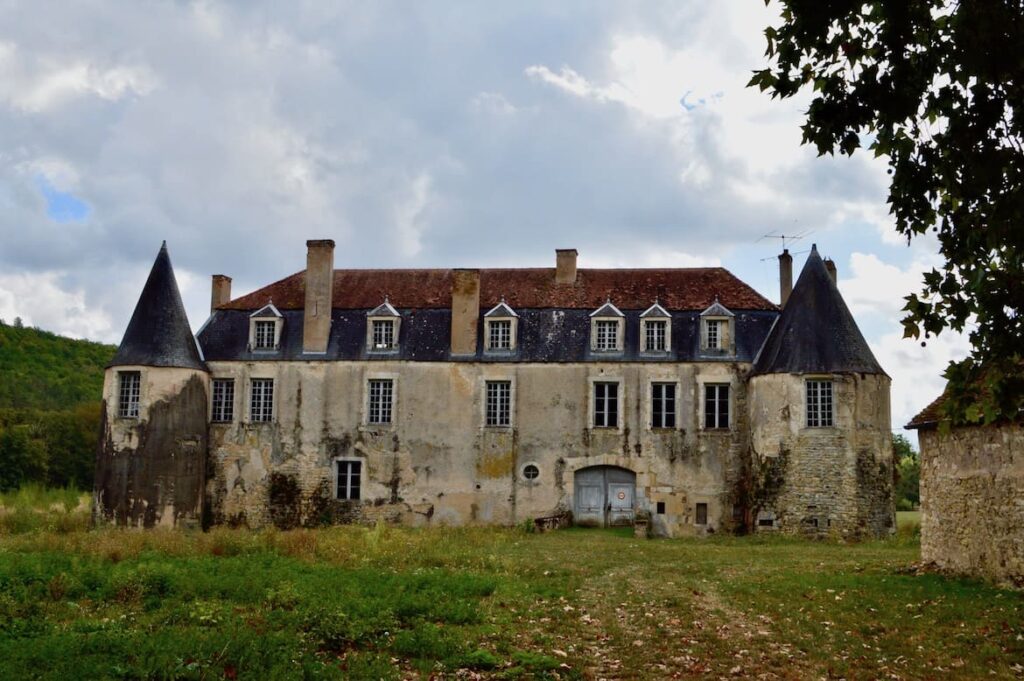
{"type": "Point", "coordinates": [972, 501]}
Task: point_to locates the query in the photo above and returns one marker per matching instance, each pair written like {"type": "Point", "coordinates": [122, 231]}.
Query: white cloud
{"type": "Point", "coordinates": [41, 300]}
{"type": "Point", "coordinates": [877, 287]}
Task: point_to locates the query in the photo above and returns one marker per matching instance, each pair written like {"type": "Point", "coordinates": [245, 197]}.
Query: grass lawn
{"type": "Point", "coordinates": [352, 602]}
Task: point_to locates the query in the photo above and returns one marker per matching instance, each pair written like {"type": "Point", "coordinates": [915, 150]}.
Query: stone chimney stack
{"type": "Point", "coordinates": [316, 322]}
{"type": "Point", "coordinates": [565, 266]}
{"type": "Point", "coordinates": [830, 265]}
{"type": "Point", "coordinates": [785, 276]}
{"type": "Point", "coordinates": [465, 311]}
{"type": "Point", "coordinates": [221, 291]}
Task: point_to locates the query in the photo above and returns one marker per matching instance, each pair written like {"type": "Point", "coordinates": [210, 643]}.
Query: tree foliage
{"type": "Point", "coordinates": [937, 87]}
{"type": "Point", "coordinates": [908, 470]}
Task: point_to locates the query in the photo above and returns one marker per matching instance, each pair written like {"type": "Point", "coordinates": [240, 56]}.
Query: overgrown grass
{"type": "Point", "coordinates": [384, 602]}
{"type": "Point", "coordinates": [36, 508]}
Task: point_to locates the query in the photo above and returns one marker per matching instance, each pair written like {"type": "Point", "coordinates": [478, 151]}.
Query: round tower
{"type": "Point", "coordinates": [821, 434]}
{"type": "Point", "coordinates": [151, 465]}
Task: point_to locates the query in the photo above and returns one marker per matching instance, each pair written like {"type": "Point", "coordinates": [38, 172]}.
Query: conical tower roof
{"type": "Point", "coordinates": [815, 332]}
{"type": "Point", "coordinates": [159, 334]}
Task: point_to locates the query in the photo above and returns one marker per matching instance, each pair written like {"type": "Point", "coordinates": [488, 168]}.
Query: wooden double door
{"type": "Point", "coordinates": [604, 496]}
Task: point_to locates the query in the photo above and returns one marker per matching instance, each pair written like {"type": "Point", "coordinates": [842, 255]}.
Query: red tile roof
{"type": "Point", "coordinates": [930, 416]}
{"type": "Point", "coordinates": [630, 289]}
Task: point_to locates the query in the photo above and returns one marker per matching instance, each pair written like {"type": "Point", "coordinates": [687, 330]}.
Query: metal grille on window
{"type": "Point", "coordinates": [606, 405]}
{"type": "Point", "coordinates": [499, 403]}
{"type": "Point", "coordinates": [607, 335]}
{"type": "Point", "coordinates": [128, 394]}
{"type": "Point", "coordinates": [223, 399]}
{"type": "Point", "coordinates": [714, 334]}
{"type": "Point", "coordinates": [265, 335]}
{"type": "Point", "coordinates": [716, 406]}
{"type": "Point", "coordinates": [381, 393]}
{"type": "Point", "coordinates": [261, 407]}
{"type": "Point", "coordinates": [663, 405]}
{"type": "Point", "coordinates": [500, 334]}
{"type": "Point", "coordinates": [531, 472]}
{"type": "Point", "coordinates": [655, 336]}
{"type": "Point", "coordinates": [349, 479]}
{"type": "Point", "coordinates": [819, 404]}
{"type": "Point", "coordinates": [383, 334]}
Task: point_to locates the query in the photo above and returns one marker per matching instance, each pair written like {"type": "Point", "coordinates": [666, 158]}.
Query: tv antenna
{"type": "Point", "coordinates": [790, 237]}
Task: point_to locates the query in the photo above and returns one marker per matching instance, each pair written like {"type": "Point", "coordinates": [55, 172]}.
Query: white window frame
{"type": "Point", "coordinates": [337, 478]}
{"type": "Point", "coordinates": [821, 421]}
{"type": "Point", "coordinates": [646, 325]}
{"type": "Point", "coordinates": [704, 405]}
{"type": "Point", "coordinates": [620, 399]}
{"type": "Point", "coordinates": [714, 341]}
{"type": "Point", "coordinates": [511, 403]}
{"type": "Point", "coordinates": [230, 404]}
{"type": "Point", "coordinates": [491, 325]}
{"type": "Point", "coordinates": [371, 340]}
{"type": "Point", "coordinates": [267, 313]}
{"type": "Point", "coordinates": [675, 403]}
{"type": "Point", "coordinates": [132, 409]}
{"type": "Point", "coordinates": [599, 323]}
{"type": "Point", "coordinates": [393, 377]}
{"type": "Point", "coordinates": [273, 399]}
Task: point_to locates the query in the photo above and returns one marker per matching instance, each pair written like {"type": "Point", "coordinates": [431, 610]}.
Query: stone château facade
{"type": "Point", "coordinates": [499, 396]}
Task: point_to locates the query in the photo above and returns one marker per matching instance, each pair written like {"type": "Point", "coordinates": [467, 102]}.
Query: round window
{"type": "Point", "coordinates": [530, 471]}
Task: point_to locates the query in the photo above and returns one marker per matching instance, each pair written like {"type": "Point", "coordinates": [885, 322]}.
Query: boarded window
{"type": "Point", "coordinates": [606, 405]}
{"type": "Point", "coordinates": [499, 403]}
{"type": "Point", "coordinates": [129, 389]}
{"type": "Point", "coordinates": [223, 400]}
{"type": "Point", "coordinates": [261, 404]}
{"type": "Point", "coordinates": [349, 479]}
{"type": "Point", "coordinates": [716, 406]}
{"type": "Point", "coordinates": [702, 514]}
{"type": "Point", "coordinates": [655, 336]}
{"type": "Point", "coordinates": [819, 404]}
{"type": "Point", "coordinates": [381, 392]}
{"type": "Point", "coordinates": [663, 405]}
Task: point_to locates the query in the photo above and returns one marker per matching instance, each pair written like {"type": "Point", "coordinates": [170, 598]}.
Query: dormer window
{"type": "Point", "coordinates": [606, 328]}
{"type": "Point", "coordinates": [382, 326]}
{"type": "Point", "coordinates": [656, 329]}
{"type": "Point", "coordinates": [265, 329]}
{"type": "Point", "coordinates": [717, 330]}
{"type": "Point", "coordinates": [500, 328]}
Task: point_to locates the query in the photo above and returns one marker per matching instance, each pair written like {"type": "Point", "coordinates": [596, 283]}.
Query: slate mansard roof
{"type": "Point", "coordinates": [159, 334]}
{"type": "Point", "coordinates": [816, 332]}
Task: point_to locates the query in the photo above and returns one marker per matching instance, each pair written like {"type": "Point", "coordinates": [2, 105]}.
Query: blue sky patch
{"type": "Point", "coordinates": [62, 206]}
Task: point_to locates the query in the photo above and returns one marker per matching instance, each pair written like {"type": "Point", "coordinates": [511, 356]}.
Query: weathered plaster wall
{"type": "Point", "coordinates": [151, 470]}
{"type": "Point", "coordinates": [438, 464]}
{"type": "Point", "coordinates": [972, 501]}
{"type": "Point", "coordinates": [822, 480]}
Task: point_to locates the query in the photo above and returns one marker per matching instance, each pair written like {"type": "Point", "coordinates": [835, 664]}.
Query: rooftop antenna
{"type": "Point", "coordinates": [784, 237]}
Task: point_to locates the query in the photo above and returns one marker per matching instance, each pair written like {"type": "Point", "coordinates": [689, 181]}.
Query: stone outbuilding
{"type": "Point", "coordinates": [500, 396]}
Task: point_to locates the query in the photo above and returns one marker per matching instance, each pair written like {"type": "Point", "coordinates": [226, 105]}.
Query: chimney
{"type": "Point", "coordinates": [830, 265]}
{"type": "Point", "coordinates": [465, 310]}
{"type": "Point", "coordinates": [565, 265]}
{"type": "Point", "coordinates": [316, 322]}
{"type": "Point", "coordinates": [785, 276]}
{"type": "Point", "coordinates": [221, 291]}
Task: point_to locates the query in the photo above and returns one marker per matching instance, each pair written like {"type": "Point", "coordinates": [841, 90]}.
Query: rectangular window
{"type": "Point", "coordinates": [661, 508]}
{"type": "Point", "coordinates": [223, 400]}
{"type": "Point", "coordinates": [702, 514]}
{"type": "Point", "coordinates": [129, 389]}
{"type": "Point", "coordinates": [382, 392]}
{"type": "Point", "coordinates": [264, 335]}
{"type": "Point", "coordinates": [499, 403]}
{"type": "Point", "coordinates": [655, 335]}
{"type": "Point", "coordinates": [663, 405]}
{"type": "Point", "coordinates": [607, 335]}
{"type": "Point", "coordinates": [383, 334]}
{"type": "Point", "coordinates": [349, 478]}
{"type": "Point", "coordinates": [714, 333]}
{"type": "Point", "coordinates": [500, 335]}
{"type": "Point", "coordinates": [716, 406]}
{"type": "Point", "coordinates": [819, 404]}
{"type": "Point", "coordinates": [261, 405]}
{"type": "Point", "coordinates": [606, 405]}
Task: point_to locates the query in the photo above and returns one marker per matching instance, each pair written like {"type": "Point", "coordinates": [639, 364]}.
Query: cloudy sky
{"type": "Point", "coordinates": [417, 134]}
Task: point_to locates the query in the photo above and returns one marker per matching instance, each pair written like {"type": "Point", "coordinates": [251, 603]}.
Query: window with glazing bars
{"type": "Point", "coordinates": [716, 406]}
{"type": "Point", "coordinates": [129, 388]}
{"type": "Point", "coordinates": [819, 404]}
{"type": "Point", "coordinates": [383, 334]}
{"type": "Point", "coordinates": [500, 334]}
{"type": "Point", "coordinates": [223, 400]}
{"type": "Point", "coordinates": [381, 394]}
{"type": "Point", "coordinates": [349, 478]}
{"type": "Point", "coordinates": [499, 403]}
{"type": "Point", "coordinates": [264, 335]}
{"type": "Point", "coordinates": [607, 335]}
{"type": "Point", "coordinates": [606, 405]}
{"type": "Point", "coordinates": [655, 335]}
{"type": "Point", "coordinates": [261, 404]}
{"type": "Point", "coordinates": [663, 405]}
{"type": "Point", "coordinates": [714, 333]}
